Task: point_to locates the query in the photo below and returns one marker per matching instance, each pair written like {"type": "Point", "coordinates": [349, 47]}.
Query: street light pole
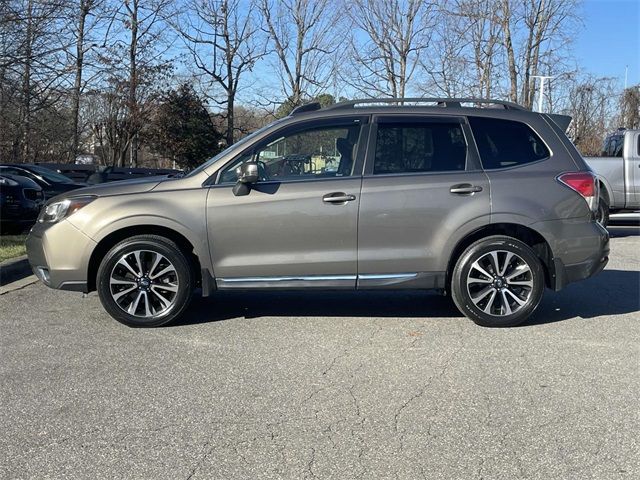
{"type": "Point", "coordinates": [626, 74]}
{"type": "Point", "coordinates": [542, 79]}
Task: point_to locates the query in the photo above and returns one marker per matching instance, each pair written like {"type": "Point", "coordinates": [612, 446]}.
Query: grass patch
{"type": "Point", "coordinates": [12, 246]}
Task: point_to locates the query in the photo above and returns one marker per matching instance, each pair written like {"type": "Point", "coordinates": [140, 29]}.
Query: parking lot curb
{"type": "Point", "coordinates": [18, 284]}
{"type": "Point", "coordinates": [14, 269]}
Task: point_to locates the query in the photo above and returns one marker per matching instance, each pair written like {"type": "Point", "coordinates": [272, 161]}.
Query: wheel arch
{"type": "Point", "coordinates": [108, 241]}
{"type": "Point", "coordinates": [520, 232]}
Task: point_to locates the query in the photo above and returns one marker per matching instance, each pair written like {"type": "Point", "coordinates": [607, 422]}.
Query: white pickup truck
{"type": "Point", "coordinates": [618, 172]}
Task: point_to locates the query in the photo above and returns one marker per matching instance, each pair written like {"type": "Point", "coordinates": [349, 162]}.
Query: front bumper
{"type": "Point", "coordinates": [23, 213]}
{"type": "Point", "coordinates": [59, 255]}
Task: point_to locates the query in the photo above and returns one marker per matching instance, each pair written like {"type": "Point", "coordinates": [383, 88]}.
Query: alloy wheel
{"type": "Point", "coordinates": [144, 283]}
{"type": "Point", "coordinates": [500, 283]}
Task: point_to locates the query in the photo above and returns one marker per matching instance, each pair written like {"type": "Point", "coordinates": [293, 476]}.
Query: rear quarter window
{"type": "Point", "coordinates": [506, 143]}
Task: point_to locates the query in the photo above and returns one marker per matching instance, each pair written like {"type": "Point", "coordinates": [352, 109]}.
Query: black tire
{"type": "Point", "coordinates": [480, 251]}
{"type": "Point", "coordinates": [150, 247]}
{"type": "Point", "coordinates": [602, 215]}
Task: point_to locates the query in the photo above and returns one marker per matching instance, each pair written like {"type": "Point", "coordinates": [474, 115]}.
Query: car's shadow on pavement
{"type": "Point", "coordinates": [317, 303]}
{"type": "Point", "coordinates": [611, 292]}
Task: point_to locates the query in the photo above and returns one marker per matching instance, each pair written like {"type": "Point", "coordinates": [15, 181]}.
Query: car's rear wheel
{"type": "Point", "coordinates": [602, 215]}
{"type": "Point", "coordinates": [145, 281]}
{"type": "Point", "coordinates": [498, 281]}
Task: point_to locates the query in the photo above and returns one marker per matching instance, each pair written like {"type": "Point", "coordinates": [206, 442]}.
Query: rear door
{"type": "Point", "coordinates": [423, 190]}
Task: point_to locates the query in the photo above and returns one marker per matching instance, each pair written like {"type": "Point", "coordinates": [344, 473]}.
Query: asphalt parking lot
{"type": "Point", "coordinates": [326, 385]}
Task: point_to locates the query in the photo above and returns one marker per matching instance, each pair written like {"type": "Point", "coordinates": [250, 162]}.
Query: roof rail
{"type": "Point", "coordinates": [441, 102]}
{"type": "Point", "coordinates": [307, 107]}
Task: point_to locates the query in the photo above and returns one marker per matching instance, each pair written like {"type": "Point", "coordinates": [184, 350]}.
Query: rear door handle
{"type": "Point", "coordinates": [338, 197]}
{"type": "Point", "coordinates": [465, 189]}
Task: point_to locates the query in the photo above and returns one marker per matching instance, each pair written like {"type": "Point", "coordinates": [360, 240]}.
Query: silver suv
{"type": "Point", "coordinates": [479, 198]}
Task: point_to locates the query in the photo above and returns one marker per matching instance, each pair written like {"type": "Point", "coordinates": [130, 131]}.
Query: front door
{"type": "Point", "coordinates": [297, 227]}
{"type": "Point", "coordinates": [423, 189]}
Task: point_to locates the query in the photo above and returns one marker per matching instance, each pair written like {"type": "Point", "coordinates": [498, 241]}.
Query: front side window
{"type": "Point", "coordinates": [419, 147]}
{"type": "Point", "coordinates": [314, 153]}
{"type": "Point", "coordinates": [505, 143]}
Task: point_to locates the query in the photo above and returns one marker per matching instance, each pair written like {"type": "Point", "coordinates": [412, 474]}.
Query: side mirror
{"type": "Point", "coordinates": [248, 173]}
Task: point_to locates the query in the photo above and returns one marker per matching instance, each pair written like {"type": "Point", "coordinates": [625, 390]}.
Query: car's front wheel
{"type": "Point", "coordinates": [498, 281]}
{"type": "Point", "coordinates": [145, 281]}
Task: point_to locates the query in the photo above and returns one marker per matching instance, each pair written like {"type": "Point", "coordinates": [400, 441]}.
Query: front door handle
{"type": "Point", "coordinates": [338, 197]}
{"type": "Point", "coordinates": [465, 189]}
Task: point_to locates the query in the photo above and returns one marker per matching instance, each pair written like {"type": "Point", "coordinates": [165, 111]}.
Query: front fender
{"type": "Point", "coordinates": [182, 211]}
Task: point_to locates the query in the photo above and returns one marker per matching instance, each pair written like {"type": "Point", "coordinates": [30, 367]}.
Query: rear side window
{"type": "Point", "coordinates": [415, 147]}
{"type": "Point", "coordinates": [613, 146]}
{"type": "Point", "coordinates": [504, 143]}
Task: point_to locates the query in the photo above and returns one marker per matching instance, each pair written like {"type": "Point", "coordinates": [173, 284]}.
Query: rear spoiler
{"type": "Point", "coordinates": [562, 121]}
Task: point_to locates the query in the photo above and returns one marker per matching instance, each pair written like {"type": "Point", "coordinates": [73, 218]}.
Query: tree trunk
{"type": "Point", "coordinates": [77, 86]}
{"type": "Point", "coordinates": [25, 150]}
{"type": "Point", "coordinates": [511, 58]}
{"type": "Point", "coordinates": [133, 81]}
{"type": "Point", "coordinates": [230, 118]}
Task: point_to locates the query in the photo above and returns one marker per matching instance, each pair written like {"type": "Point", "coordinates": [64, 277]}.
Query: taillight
{"type": "Point", "coordinates": [585, 184]}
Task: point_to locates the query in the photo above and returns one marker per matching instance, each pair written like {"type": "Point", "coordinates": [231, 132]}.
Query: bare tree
{"type": "Point", "coordinates": [507, 21]}
{"type": "Point", "coordinates": [107, 113]}
{"type": "Point", "coordinates": [630, 108]}
{"type": "Point", "coordinates": [85, 15]}
{"type": "Point", "coordinates": [533, 31]}
{"type": "Point", "coordinates": [137, 32]}
{"type": "Point", "coordinates": [34, 67]}
{"type": "Point", "coordinates": [591, 103]}
{"type": "Point", "coordinates": [465, 60]}
{"type": "Point", "coordinates": [223, 38]}
{"type": "Point", "coordinates": [485, 37]}
{"type": "Point", "coordinates": [303, 35]}
{"type": "Point", "coordinates": [394, 34]}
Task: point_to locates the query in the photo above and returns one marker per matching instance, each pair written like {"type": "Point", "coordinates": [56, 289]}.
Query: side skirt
{"type": "Point", "coordinates": [411, 280]}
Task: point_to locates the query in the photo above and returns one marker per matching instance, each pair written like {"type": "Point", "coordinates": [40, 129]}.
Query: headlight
{"type": "Point", "coordinates": [56, 211]}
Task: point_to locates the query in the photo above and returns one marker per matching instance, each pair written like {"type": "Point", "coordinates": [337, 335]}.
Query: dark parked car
{"type": "Point", "coordinates": [52, 183]}
{"type": "Point", "coordinates": [20, 201]}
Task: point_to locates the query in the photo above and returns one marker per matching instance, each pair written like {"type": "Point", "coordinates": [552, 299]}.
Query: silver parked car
{"type": "Point", "coordinates": [489, 204]}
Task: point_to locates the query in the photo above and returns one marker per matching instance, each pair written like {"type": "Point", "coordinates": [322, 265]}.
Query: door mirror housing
{"type": "Point", "coordinates": [247, 176]}
{"type": "Point", "coordinates": [248, 173]}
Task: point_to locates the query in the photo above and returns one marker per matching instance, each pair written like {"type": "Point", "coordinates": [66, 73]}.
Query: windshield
{"type": "Point", "coordinates": [235, 146]}
{"type": "Point", "coordinates": [50, 175]}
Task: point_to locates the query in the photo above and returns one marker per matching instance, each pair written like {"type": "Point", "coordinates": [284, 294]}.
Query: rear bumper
{"type": "Point", "coordinates": [58, 255]}
{"type": "Point", "coordinates": [594, 264]}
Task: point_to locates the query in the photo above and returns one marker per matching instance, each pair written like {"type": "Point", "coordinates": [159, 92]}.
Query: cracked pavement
{"type": "Point", "coordinates": [326, 385]}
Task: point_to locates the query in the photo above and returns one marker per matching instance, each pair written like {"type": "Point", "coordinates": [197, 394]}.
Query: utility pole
{"type": "Point", "coordinates": [542, 79]}
{"type": "Point", "coordinates": [626, 74]}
